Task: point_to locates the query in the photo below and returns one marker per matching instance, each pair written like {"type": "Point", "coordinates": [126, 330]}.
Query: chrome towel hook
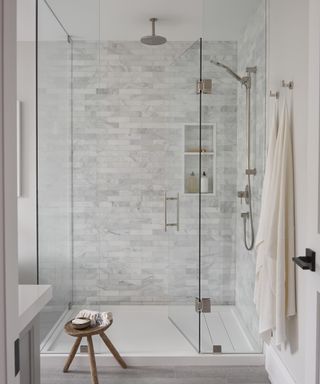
{"type": "Point", "coordinates": [275, 94]}
{"type": "Point", "coordinates": [289, 85]}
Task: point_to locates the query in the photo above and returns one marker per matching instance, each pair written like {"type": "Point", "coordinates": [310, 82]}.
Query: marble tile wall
{"type": "Point", "coordinates": [251, 52]}
{"type": "Point", "coordinates": [131, 103]}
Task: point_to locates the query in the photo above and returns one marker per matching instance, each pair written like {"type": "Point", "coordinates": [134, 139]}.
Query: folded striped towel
{"type": "Point", "coordinates": [97, 318]}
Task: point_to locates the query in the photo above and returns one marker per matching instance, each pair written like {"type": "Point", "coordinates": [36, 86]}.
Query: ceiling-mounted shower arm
{"type": "Point", "coordinates": [153, 22]}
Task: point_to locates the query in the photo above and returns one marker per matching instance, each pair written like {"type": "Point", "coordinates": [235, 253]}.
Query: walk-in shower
{"type": "Point", "coordinates": [121, 126]}
{"type": "Point", "coordinates": [246, 194]}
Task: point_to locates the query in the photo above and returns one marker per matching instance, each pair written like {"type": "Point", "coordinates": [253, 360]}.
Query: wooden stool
{"type": "Point", "coordinates": [88, 333]}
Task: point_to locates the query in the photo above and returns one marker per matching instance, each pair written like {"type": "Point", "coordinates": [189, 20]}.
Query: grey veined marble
{"type": "Point", "coordinates": [130, 109]}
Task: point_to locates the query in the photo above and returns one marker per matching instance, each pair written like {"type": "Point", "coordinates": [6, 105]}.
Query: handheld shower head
{"type": "Point", "coordinates": [229, 70]}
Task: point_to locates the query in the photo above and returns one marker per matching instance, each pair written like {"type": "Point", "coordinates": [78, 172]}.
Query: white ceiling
{"type": "Point", "coordinates": [129, 19]}
{"type": "Point", "coordinates": [179, 20]}
{"type": "Point", "coordinates": [226, 19]}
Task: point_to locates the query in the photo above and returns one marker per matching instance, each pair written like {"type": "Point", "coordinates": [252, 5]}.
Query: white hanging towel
{"type": "Point", "coordinates": [275, 290]}
{"type": "Point", "coordinates": [260, 284]}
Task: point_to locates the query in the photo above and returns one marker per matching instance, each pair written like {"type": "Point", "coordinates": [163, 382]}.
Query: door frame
{"type": "Point", "coordinates": [9, 316]}
{"type": "Point", "coordinates": [312, 293]}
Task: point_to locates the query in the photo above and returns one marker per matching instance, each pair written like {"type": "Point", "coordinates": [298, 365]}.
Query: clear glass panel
{"type": "Point", "coordinates": [183, 177]}
{"type": "Point", "coordinates": [72, 221]}
{"type": "Point", "coordinates": [234, 35]}
{"type": "Point", "coordinates": [54, 166]}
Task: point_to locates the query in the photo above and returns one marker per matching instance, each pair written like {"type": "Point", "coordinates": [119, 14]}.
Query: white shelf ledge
{"type": "Point", "coordinates": [197, 194]}
{"type": "Point", "coordinates": [32, 299]}
{"type": "Point", "coordinates": [197, 153]}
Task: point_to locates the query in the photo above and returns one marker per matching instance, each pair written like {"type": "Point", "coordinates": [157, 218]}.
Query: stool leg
{"type": "Point", "coordinates": [113, 350]}
{"type": "Point", "coordinates": [72, 354]}
{"type": "Point", "coordinates": [93, 366]}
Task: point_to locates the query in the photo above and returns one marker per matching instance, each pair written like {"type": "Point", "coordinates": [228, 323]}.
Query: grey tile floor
{"type": "Point", "coordinates": [160, 375]}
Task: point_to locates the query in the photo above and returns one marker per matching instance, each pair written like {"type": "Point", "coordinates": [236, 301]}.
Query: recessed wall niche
{"type": "Point", "coordinates": [192, 149]}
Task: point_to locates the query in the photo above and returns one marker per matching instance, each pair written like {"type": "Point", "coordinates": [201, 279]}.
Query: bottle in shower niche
{"type": "Point", "coordinates": [192, 183]}
{"type": "Point", "coordinates": [204, 183]}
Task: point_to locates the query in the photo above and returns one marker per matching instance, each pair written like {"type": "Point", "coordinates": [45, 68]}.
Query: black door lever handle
{"type": "Point", "coordinates": [308, 261]}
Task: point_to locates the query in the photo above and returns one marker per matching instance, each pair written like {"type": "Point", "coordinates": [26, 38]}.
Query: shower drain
{"type": "Point", "coordinates": [83, 349]}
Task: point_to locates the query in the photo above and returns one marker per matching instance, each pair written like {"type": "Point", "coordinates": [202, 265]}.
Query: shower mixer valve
{"type": "Point", "coordinates": [245, 215]}
{"type": "Point", "coordinates": [244, 195]}
{"type": "Point", "coordinates": [252, 171]}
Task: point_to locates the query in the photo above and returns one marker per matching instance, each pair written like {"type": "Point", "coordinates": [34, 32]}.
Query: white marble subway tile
{"type": "Point", "coordinates": [134, 97]}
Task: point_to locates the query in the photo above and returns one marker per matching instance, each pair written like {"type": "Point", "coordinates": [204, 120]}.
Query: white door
{"type": "Point", "coordinates": [311, 315]}
{"type": "Point", "coordinates": [8, 195]}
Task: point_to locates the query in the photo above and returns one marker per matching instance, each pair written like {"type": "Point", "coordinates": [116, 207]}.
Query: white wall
{"type": "Point", "coordinates": [289, 61]}
{"type": "Point", "coordinates": [26, 20]}
{"type": "Point", "coordinates": [26, 93]}
{"type": "Point", "coordinates": [8, 193]}
{"type": "Point", "coordinates": [312, 311]}
{"type": "Point", "coordinates": [2, 274]}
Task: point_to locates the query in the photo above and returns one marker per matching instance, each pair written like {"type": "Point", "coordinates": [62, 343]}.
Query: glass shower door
{"type": "Point", "coordinates": [182, 203]}
{"type": "Point", "coordinates": [227, 267]}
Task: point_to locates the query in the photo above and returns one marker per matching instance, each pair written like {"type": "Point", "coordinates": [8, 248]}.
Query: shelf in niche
{"type": "Point", "coordinates": [191, 158]}
{"type": "Point", "coordinates": [197, 153]}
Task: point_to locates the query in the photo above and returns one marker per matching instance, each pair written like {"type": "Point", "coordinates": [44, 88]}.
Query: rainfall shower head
{"type": "Point", "coordinates": [153, 39]}
{"type": "Point", "coordinates": [229, 70]}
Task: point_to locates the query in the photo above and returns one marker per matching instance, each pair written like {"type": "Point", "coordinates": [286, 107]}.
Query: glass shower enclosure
{"type": "Point", "coordinates": [141, 155]}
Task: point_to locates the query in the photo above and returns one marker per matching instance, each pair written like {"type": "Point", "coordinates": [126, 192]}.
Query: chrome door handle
{"type": "Point", "coordinates": [166, 224]}
{"type": "Point", "coordinates": [19, 150]}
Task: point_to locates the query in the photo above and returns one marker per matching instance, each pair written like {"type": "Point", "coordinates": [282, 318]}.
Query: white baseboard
{"type": "Point", "coordinates": [277, 371]}
{"type": "Point", "coordinates": [81, 360]}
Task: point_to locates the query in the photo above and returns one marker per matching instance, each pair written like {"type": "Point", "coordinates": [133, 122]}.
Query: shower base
{"type": "Point", "coordinates": [144, 335]}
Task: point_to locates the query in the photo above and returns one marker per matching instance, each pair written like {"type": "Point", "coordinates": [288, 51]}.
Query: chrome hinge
{"type": "Point", "coordinates": [203, 305]}
{"type": "Point", "coordinates": [217, 349]}
{"type": "Point", "coordinates": [204, 86]}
